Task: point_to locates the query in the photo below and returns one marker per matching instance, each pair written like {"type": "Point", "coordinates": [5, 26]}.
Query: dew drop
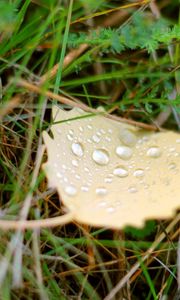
{"type": "Point", "coordinates": [102, 204]}
{"type": "Point", "coordinates": [120, 171]}
{"type": "Point", "coordinates": [124, 152]}
{"type": "Point", "coordinates": [89, 141]}
{"type": "Point", "coordinates": [86, 169]}
{"type": "Point", "coordinates": [172, 149]}
{"type": "Point", "coordinates": [102, 131]}
{"type": "Point", "coordinates": [108, 139]}
{"type": "Point", "coordinates": [84, 188]}
{"type": "Point", "coordinates": [100, 156]}
{"type": "Point", "coordinates": [59, 175]}
{"type": "Point", "coordinates": [69, 137]}
{"type": "Point", "coordinates": [178, 141]}
{"type": "Point", "coordinates": [95, 138]}
{"type": "Point", "coordinates": [127, 137]}
{"type": "Point", "coordinates": [77, 149]}
{"type": "Point", "coordinates": [65, 179]}
{"type": "Point", "coordinates": [132, 189]}
{"type": "Point", "coordinates": [71, 132]}
{"type": "Point", "coordinates": [172, 166]}
{"type": "Point", "coordinates": [138, 173]}
{"type": "Point", "coordinates": [140, 141]}
{"type": "Point", "coordinates": [101, 191]}
{"type": "Point", "coordinates": [108, 180]}
{"type": "Point", "coordinates": [110, 209]}
{"type": "Point", "coordinates": [70, 190]}
{"type": "Point", "coordinates": [154, 152]}
{"type": "Point", "coordinates": [75, 163]}
{"type": "Point", "coordinates": [89, 127]}
{"type": "Point", "coordinates": [145, 138]}
{"type": "Point", "coordinates": [146, 186]}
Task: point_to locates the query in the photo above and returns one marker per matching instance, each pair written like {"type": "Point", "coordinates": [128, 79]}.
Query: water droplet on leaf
{"type": "Point", "coordinates": [124, 152]}
{"type": "Point", "coordinates": [100, 156]}
{"type": "Point", "coordinates": [127, 137]}
{"type": "Point", "coordinates": [120, 171]}
{"type": "Point", "coordinates": [75, 163]}
{"type": "Point", "coordinates": [70, 190]}
{"type": "Point", "coordinates": [95, 138]}
{"type": "Point", "coordinates": [59, 175]}
{"type": "Point", "coordinates": [132, 189]}
{"type": "Point", "coordinates": [154, 152]}
{"type": "Point", "coordinates": [110, 209]}
{"type": "Point", "coordinates": [84, 188]}
{"type": "Point", "coordinates": [101, 191]}
{"type": "Point", "coordinates": [77, 149]}
{"type": "Point", "coordinates": [138, 173]}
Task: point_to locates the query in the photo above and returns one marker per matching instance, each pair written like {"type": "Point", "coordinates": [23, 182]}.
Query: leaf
{"type": "Point", "coordinates": [109, 173]}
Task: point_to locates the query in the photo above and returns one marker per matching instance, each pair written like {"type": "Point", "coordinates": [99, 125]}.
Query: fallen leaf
{"type": "Point", "coordinates": [109, 173]}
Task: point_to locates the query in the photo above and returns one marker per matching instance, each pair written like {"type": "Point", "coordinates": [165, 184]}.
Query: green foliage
{"type": "Point", "coordinates": [8, 16]}
{"type": "Point", "coordinates": [92, 5]}
{"type": "Point", "coordinates": [140, 233]}
{"type": "Point", "coordinates": [139, 34]}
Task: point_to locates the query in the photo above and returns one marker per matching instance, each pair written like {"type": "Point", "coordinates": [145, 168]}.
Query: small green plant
{"type": "Point", "coordinates": [140, 33]}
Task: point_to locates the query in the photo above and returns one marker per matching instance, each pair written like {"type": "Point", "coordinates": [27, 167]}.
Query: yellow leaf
{"type": "Point", "coordinates": [112, 174]}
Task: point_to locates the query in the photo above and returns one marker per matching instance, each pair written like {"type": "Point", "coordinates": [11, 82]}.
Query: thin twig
{"type": "Point", "coordinates": [97, 14]}
{"type": "Point", "coordinates": [9, 106]}
{"type": "Point", "coordinates": [72, 55]}
{"type": "Point", "coordinates": [17, 280]}
{"type": "Point", "coordinates": [39, 276]}
{"type": "Point", "coordinates": [33, 224]}
{"type": "Point", "coordinates": [33, 88]}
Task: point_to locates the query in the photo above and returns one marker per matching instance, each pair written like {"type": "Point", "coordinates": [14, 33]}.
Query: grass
{"type": "Point", "coordinates": [126, 60]}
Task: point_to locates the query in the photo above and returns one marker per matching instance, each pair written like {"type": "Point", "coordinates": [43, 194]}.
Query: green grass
{"type": "Point", "coordinates": [130, 68]}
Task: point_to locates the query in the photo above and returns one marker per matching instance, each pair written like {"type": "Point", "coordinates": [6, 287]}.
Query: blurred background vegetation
{"type": "Point", "coordinates": [124, 56]}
